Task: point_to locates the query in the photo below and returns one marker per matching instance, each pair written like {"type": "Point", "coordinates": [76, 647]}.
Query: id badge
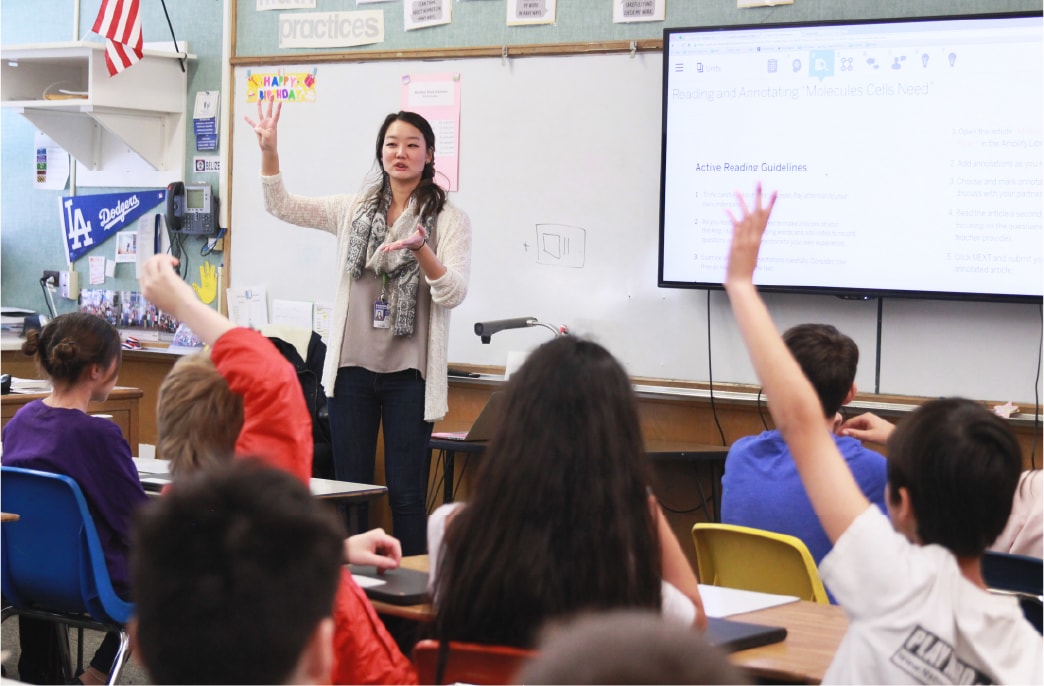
{"type": "Point", "coordinates": [380, 315]}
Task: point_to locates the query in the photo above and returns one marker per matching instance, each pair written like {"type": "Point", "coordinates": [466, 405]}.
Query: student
{"type": "Point", "coordinates": [917, 606]}
{"type": "Point", "coordinates": [243, 399]}
{"type": "Point", "coordinates": [1024, 532]}
{"type": "Point", "coordinates": [761, 487]}
{"type": "Point", "coordinates": [562, 519]}
{"type": "Point", "coordinates": [625, 647]}
{"type": "Point", "coordinates": [81, 354]}
{"type": "Point", "coordinates": [235, 572]}
{"type": "Point", "coordinates": [404, 257]}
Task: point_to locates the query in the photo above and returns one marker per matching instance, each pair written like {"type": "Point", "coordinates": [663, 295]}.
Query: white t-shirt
{"type": "Point", "coordinates": [913, 618]}
{"type": "Point", "coordinates": [677, 608]}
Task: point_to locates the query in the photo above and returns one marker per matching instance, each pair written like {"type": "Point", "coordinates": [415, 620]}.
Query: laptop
{"type": "Point", "coordinates": [482, 429]}
{"type": "Point", "coordinates": [730, 635]}
{"type": "Point", "coordinates": [395, 586]}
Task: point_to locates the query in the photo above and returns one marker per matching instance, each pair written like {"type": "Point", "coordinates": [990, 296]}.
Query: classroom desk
{"type": "Point", "coordinates": [122, 404]}
{"type": "Point", "coordinates": [323, 489]}
{"type": "Point", "coordinates": [656, 449]}
{"type": "Point", "coordinates": [813, 633]}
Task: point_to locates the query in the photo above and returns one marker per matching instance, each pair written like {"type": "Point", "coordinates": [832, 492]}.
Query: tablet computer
{"type": "Point", "coordinates": [395, 586]}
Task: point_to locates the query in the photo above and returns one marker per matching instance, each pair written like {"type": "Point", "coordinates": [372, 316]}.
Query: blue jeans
{"type": "Point", "coordinates": [361, 403]}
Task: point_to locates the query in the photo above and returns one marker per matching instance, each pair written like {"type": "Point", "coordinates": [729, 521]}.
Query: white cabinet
{"type": "Point", "coordinates": [127, 129]}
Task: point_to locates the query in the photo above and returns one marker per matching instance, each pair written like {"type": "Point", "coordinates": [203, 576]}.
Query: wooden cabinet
{"type": "Point", "coordinates": [122, 406]}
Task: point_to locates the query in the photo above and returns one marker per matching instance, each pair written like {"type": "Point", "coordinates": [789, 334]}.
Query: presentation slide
{"type": "Point", "coordinates": [907, 155]}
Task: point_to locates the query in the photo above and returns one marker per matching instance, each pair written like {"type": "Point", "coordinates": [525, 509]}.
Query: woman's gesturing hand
{"type": "Point", "coordinates": [266, 125]}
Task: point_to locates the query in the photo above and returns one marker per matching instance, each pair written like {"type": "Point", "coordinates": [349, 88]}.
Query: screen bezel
{"type": "Point", "coordinates": [855, 293]}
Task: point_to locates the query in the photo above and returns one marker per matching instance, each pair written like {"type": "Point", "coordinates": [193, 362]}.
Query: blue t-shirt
{"type": "Point", "coordinates": [92, 451]}
{"type": "Point", "coordinates": [761, 487]}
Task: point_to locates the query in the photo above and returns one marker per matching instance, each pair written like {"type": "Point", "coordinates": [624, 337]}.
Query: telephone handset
{"type": "Point", "coordinates": [191, 208]}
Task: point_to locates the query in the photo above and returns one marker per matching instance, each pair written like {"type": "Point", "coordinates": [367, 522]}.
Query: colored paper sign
{"type": "Point", "coordinates": [436, 97]}
{"type": "Point", "coordinates": [88, 220]}
{"type": "Point", "coordinates": [282, 86]}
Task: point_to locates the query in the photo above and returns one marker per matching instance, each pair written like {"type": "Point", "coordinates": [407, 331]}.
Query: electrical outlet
{"type": "Point", "coordinates": [69, 284]}
{"type": "Point", "coordinates": [51, 276]}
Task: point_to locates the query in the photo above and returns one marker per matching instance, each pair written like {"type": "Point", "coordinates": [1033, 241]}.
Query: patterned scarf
{"type": "Point", "coordinates": [369, 232]}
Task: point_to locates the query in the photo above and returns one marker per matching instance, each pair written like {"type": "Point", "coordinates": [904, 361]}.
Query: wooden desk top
{"type": "Point", "coordinates": [418, 613]}
{"type": "Point", "coordinates": [813, 633]}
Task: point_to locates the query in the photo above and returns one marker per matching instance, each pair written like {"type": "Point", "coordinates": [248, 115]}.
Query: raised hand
{"type": "Point", "coordinates": [747, 231]}
{"type": "Point", "coordinates": [162, 286]}
{"type": "Point", "coordinates": [267, 124]}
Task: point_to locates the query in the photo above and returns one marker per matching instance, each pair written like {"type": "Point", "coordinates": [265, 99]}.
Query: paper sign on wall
{"type": "Point", "coordinates": [282, 86]}
{"type": "Point", "coordinates": [419, 14]}
{"type": "Point", "coordinates": [331, 29]}
{"type": "Point", "coordinates": [626, 11]}
{"type": "Point", "coordinates": [52, 163]}
{"type": "Point", "coordinates": [525, 12]}
{"type": "Point", "coordinates": [436, 97]}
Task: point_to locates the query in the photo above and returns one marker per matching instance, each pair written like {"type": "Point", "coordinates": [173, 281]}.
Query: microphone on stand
{"type": "Point", "coordinates": [485, 330]}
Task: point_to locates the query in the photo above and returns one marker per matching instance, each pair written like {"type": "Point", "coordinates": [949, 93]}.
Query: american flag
{"type": "Point", "coordinates": [120, 22]}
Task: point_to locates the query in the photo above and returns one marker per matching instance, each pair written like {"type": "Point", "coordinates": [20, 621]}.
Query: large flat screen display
{"type": "Point", "coordinates": [906, 153]}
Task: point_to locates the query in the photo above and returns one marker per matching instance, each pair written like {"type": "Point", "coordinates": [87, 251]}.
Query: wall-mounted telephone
{"type": "Point", "coordinates": [191, 208]}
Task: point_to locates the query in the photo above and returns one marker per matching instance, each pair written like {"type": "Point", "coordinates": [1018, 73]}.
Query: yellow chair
{"type": "Point", "coordinates": [756, 560]}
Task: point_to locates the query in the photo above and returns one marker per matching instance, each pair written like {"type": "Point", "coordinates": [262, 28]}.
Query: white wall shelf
{"type": "Point", "coordinates": [127, 129]}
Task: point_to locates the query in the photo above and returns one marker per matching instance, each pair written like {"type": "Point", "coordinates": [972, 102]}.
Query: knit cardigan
{"type": "Point", "coordinates": [452, 245]}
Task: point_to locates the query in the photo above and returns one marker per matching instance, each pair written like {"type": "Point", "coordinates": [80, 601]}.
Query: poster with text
{"type": "Point", "coordinates": [436, 97]}
{"type": "Point", "coordinates": [525, 12]}
{"type": "Point", "coordinates": [419, 14]}
{"type": "Point", "coordinates": [627, 11]}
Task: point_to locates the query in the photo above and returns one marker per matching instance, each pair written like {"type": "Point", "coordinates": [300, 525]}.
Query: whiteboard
{"type": "Point", "coordinates": [559, 173]}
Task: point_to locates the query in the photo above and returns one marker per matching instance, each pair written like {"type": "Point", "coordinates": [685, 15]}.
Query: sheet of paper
{"type": "Point", "coordinates": [626, 11]}
{"type": "Point", "coordinates": [295, 313]}
{"type": "Point", "coordinates": [97, 269]}
{"type": "Point", "coordinates": [52, 163]}
{"type": "Point", "coordinates": [147, 239]}
{"type": "Point", "coordinates": [367, 581]}
{"type": "Point", "coordinates": [524, 12]}
{"type": "Point", "coordinates": [719, 601]}
{"type": "Point", "coordinates": [321, 316]}
{"type": "Point", "coordinates": [248, 306]}
{"type": "Point", "coordinates": [127, 246]}
{"type": "Point", "coordinates": [437, 98]}
{"type": "Point", "coordinates": [418, 14]}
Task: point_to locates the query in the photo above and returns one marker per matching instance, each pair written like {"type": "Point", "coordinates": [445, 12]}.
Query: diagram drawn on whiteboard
{"type": "Point", "coordinates": [561, 245]}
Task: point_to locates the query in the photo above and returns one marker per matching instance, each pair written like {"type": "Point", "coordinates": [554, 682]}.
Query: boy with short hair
{"type": "Point", "coordinates": [917, 606]}
{"type": "Point", "coordinates": [761, 488]}
{"type": "Point", "coordinates": [234, 573]}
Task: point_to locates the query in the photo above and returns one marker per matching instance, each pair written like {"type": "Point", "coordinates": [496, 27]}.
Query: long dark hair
{"type": "Point", "coordinates": [560, 520]}
{"type": "Point", "coordinates": [429, 195]}
{"type": "Point", "coordinates": [70, 343]}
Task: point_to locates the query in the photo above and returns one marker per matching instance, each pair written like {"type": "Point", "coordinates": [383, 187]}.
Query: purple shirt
{"type": "Point", "coordinates": [92, 451]}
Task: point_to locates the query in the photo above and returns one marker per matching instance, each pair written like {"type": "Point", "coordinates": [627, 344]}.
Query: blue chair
{"type": "Point", "coordinates": [1020, 576]}
{"type": "Point", "coordinates": [52, 563]}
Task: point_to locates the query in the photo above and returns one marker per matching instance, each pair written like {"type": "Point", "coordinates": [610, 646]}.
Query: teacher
{"type": "Point", "coordinates": [404, 257]}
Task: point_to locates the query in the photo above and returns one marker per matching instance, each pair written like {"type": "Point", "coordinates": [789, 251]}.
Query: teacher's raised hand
{"type": "Point", "coordinates": [266, 125]}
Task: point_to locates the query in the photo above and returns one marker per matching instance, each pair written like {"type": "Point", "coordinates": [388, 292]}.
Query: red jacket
{"type": "Point", "coordinates": [276, 425]}
{"type": "Point", "coordinates": [277, 428]}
